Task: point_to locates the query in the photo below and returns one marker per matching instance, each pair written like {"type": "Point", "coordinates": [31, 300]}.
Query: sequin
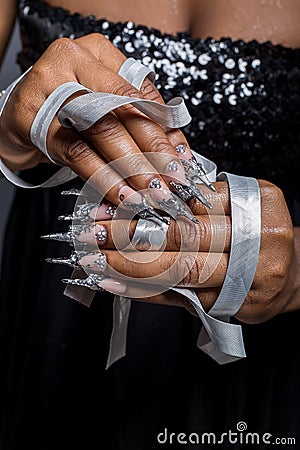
{"type": "Point", "coordinates": [243, 97]}
{"type": "Point", "coordinates": [204, 59]}
{"type": "Point", "coordinates": [229, 63]}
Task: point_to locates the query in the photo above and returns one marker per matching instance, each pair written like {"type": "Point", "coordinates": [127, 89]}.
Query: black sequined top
{"type": "Point", "coordinates": [243, 97]}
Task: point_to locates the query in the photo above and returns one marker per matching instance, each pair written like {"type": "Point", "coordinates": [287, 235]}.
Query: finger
{"type": "Point", "coordinates": [83, 160]}
{"type": "Point", "coordinates": [207, 298]}
{"type": "Point", "coordinates": [113, 58]}
{"type": "Point", "coordinates": [167, 269]}
{"type": "Point", "coordinates": [148, 136]}
{"type": "Point", "coordinates": [211, 234]}
{"type": "Point", "coordinates": [220, 200]}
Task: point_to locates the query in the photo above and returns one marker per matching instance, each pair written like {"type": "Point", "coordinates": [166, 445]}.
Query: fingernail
{"type": "Point", "coordinates": [88, 212]}
{"type": "Point", "coordinates": [176, 172]}
{"type": "Point", "coordinates": [88, 235]}
{"type": "Point", "coordinates": [113, 285]}
{"type": "Point", "coordinates": [170, 203]}
{"type": "Point", "coordinates": [98, 282]}
{"type": "Point", "coordinates": [84, 212]}
{"type": "Point", "coordinates": [138, 203]}
{"type": "Point", "coordinates": [66, 236]}
{"type": "Point", "coordinates": [183, 151]}
{"type": "Point", "coordinates": [127, 192]}
{"type": "Point", "coordinates": [196, 173]}
{"type": "Point", "coordinates": [76, 192]}
{"type": "Point", "coordinates": [71, 261]}
{"type": "Point", "coordinates": [184, 187]}
{"type": "Point", "coordinates": [188, 192]}
{"type": "Point", "coordinates": [91, 282]}
{"type": "Point", "coordinates": [94, 261]}
{"type": "Point", "coordinates": [158, 190]}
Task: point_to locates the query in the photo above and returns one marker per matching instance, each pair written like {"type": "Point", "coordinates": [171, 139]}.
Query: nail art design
{"type": "Point", "coordinates": [92, 281]}
{"type": "Point", "coordinates": [74, 191]}
{"type": "Point", "coordinates": [181, 149]}
{"type": "Point", "coordinates": [101, 235]}
{"type": "Point", "coordinates": [144, 209]}
{"type": "Point", "coordinates": [155, 183]}
{"type": "Point", "coordinates": [71, 261]}
{"type": "Point", "coordinates": [111, 210]}
{"type": "Point", "coordinates": [176, 172]}
{"type": "Point", "coordinates": [81, 213]}
{"type": "Point", "coordinates": [169, 202]}
{"type": "Point", "coordinates": [175, 208]}
{"type": "Point", "coordinates": [71, 235]}
{"type": "Point", "coordinates": [101, 262]}
{"type": "Point", "coordinates": [188, 192]}
{"type": "Point", "coordinates": [66, 236]}
{"type": "Point", "coordinates": [196, 172]}
{"type": "Point", "coordinates": [172, 166]}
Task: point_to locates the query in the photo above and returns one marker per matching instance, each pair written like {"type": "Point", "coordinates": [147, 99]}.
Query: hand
{"type": "Point", "coordinates": [203, 266]}
{"type": "Point", "coordinates": [126, 132]}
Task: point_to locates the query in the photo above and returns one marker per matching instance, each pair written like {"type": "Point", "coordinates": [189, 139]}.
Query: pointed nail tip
{"type": "Point", "coordinates": [48, 260]}
{"type": "Point", "coordinates": [66, 280]}
{"type": "Point", "coordinates": [46, 237]}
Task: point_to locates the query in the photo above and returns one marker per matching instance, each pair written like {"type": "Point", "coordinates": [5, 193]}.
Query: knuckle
{"type": "Point", "coordinates": [187, 235]}
{"type": "Point", "coordinates": [149, 91]}
{"type": "Point", "coordinates": [185, 271]}
{"type": "Point", "coordinates": [106, 128]}
{"type": "Point", "coordinates": [95, 38]}
{"type": "Point", "coordinates": [76, 152]}
{"type": "Point", "coordinates": [125, 89]}
{"type": "Point", "coordinates": [263, 304]}
{"type": "Point", "coordinates": [157, 143]}
{"type": "Point", "coordinates": [63, 45]}
{"type": "Point", "coordinates": [271, 192]}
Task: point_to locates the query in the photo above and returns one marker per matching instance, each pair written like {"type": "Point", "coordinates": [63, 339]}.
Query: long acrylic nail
{"type": "Point", "coordinates": [89, 212]}
{"type": "Point", "coordinates": [186, 193]}
{"type": "Point", "coordinates": [98, 282]}
{"type": "Point", "coordinates": [85, 233]}
{"type": "Point", "coordinates": [169, 202]}
{"type": "Point", "coordinates": [85, 213]}
{"type": "Point", "coordinates": [138, 203]}
{"type": "Point", "coordinates": [184, 187]}
{"type": "Point", "coordinates": [76, 192]}
{"type": "Point", "coordinates": [71, 261]}
{"type": "Point", "coordinates": [88, 235]}
{"type": "Point", "coordinates": [183, 151]}
{"type": "Point", "coordinates": [94, 261]}
{"type": "Point", "coordinates": [175, 171]}
{"type": "Point", "coordinates": [196, 173]}
{"type": "Point", "coordinates": [93, 281]}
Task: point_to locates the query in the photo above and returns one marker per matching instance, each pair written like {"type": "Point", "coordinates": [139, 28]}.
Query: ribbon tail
{"type": "Point", "coordinates": [80, 294]}
{"type": "Point", "coordinates": [221, 340]}
{"type": "Point", "coordinates": [118, 340]}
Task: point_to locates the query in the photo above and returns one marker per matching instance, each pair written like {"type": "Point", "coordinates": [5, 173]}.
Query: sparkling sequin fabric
{"type": "Point", "coordinates": [243, 97]}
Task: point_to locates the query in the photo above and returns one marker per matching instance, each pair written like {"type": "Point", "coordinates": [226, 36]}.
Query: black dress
{"type": "Point", "coordinates": [244, 100]}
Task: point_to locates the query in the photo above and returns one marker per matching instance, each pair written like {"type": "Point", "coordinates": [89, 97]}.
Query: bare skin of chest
{"type": "Point", "coordinates": [274, 20]}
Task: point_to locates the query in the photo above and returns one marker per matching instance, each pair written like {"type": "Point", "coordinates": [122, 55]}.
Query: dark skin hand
{"type": "Point", "coordinates": [277, 281]}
